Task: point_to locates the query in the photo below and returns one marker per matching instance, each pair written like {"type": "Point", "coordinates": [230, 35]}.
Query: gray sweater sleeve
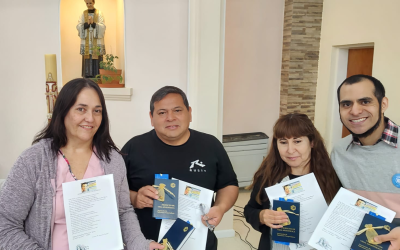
{"type": "Point", "coordinates": [132, 235]}
{"type": "Point", "coordinates": [16, 199]}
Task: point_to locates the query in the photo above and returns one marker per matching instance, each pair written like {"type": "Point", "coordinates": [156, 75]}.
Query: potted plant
{"type": "Point", "coordinates": [109, 76]}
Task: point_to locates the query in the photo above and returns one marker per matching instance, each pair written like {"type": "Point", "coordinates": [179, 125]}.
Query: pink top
{"type": "Point", "coordinates": [60, 237]}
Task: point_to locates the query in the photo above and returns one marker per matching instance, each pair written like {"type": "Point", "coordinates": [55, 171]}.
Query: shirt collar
{"type": "Point", "coordinates": [389, 135]}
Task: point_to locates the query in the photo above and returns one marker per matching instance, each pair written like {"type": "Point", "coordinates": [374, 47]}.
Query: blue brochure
{"type": "Point", "coordinates": [291, 229]}
{"type": "Point", "coordinates": [177, 235]}
{"type": "Point", "coordinates": [166, 207]}
{"type": "Point", "coordinates": [371, 226]}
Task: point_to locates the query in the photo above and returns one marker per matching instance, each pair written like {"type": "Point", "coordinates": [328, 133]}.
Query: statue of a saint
{"type": "Point", "coordinates": [91, 29]}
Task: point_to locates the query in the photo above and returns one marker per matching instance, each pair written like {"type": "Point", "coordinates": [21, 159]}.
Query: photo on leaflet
{"type": "Point", "coordinates": [192, 192]}
{"type": "Point", "coordinates": [293, 188]}
{"type": "Point", "coordinates": [364, 205]}
{"type": "Point", "coordinates": [88, 186]}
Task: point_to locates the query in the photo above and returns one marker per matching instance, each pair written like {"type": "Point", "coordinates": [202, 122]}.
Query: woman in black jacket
{"type": "Point", "coordinates": [297, 149]}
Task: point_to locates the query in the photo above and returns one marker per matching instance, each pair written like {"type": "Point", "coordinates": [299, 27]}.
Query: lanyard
{"type": "Point", "coordinates": [69, 166]}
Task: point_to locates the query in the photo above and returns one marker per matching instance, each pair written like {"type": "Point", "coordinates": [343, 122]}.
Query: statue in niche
{"type": "Point", "coordinates": [91, 29]}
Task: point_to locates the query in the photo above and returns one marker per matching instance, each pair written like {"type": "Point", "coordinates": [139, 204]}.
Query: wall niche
{"type": "Point", "coordinates": [70, 12]}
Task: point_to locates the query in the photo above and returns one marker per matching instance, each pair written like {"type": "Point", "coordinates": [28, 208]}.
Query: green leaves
{"type": "Point", "coordinates": [106, 64]}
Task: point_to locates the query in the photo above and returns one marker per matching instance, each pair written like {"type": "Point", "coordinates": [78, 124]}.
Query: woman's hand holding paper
{"type": "Point", "coordinates": [272, 218]}
{"type": "Point", "coordinates": [154, 245]}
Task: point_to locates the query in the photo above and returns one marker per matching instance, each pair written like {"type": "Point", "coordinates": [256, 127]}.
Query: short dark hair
{"type": "Point", "coordinates": [56, 130]}
{"type": "Point", "coordinates": [161, 93]}
{"type": "Point", "coordinates": [379, 91]}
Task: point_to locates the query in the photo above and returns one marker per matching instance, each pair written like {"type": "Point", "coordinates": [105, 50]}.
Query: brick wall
{"type": "Point", "coordinates": [301, 40]}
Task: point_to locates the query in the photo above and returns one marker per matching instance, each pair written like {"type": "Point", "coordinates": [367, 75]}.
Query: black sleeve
{"type": "Point", "coordinates": [226, 176]}
{"type": "Point", "coordinates": [93, 25]}
{"type": "Point", "coordinates": [126, 149]}
{"type": "Point", "coordinates": [252, 210]}
{"type": "Point", "coordinates": [86, 26]}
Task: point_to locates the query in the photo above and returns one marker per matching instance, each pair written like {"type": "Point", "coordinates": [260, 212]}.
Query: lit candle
{"type": "Point", "coordinates": [51, 67]}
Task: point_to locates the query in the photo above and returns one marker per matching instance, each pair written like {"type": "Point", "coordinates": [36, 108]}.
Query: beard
{"type": "Point", "coordinates": [369, 131]}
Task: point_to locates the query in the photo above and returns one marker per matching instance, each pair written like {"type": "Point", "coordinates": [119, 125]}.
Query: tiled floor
{"type": "Point", "coordinates": [239, 226]}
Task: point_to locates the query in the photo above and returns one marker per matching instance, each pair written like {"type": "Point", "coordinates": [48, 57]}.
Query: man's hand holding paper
{"type": "Point", "coordinates": [144, 197]}
{"type": "Point", "coordinates": [189, 210]}
{"type": "Point", "coordinates": [213, 217]}
{"type": "Point", "coordinates": [393, 236]}
{"type": "Point", "coordinates": [224, 200]}
{"type": "Point", "coordinates": [340, 223]}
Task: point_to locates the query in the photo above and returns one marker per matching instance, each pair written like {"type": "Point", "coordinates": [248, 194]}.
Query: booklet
{"type": "Point", "coordinates": [370, 227]}
{"type": "Point", "coordinates": [177, 235]}
{"type": "Point", "coordinates": [290, 230]}
{"type": "Point", "coordinates": [166, 207]}
{"type": "Point", "coordinates": [190, 199]}
{"type": "Point", "coordinates": [340, 223]}
{"type": "Point", "coordinates": [91, 214]}
{"type": "Point", "coordinates": [304, 189]}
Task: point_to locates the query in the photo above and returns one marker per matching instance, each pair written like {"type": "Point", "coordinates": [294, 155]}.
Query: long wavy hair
{"type": "Point", "coordinates": [273, 169]}
{"type": "Point", "coordinates": [56, 130]}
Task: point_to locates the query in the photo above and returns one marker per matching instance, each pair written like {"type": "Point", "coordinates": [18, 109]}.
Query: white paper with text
{"type": "Point", "coordinates": [304, 189]}
{"type": "Point", "coordinates": [91, 214]}
{"type": "Point", "coordinates": [340, 223]}
{"type": "Point", "coordinates": [190, 198]}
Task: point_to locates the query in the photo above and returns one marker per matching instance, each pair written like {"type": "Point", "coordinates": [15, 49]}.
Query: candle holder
{"type": "Point", "coordinates": [51, 95]}
{"type": "Point", "coordinates": [51, 84]}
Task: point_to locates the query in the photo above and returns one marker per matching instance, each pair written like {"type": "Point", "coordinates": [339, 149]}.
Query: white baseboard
{"type": "Point", "coordinates": [230, 233]}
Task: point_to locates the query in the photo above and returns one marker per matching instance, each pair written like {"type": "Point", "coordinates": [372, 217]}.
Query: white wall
{"type": "Point", "coordinates": [156, 55]}
{"type": "Point", "coordinates": [205, 79]}
{"type": "Point", "coordinates": [347, 24]}
{"type": "Point", "coordinates": [253, 58]}
{"type": "Point", "coordinates": [29, 30]}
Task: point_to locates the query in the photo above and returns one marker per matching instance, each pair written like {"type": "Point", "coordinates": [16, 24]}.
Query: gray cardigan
{"type": "Point", "coordinates": [26, 201]}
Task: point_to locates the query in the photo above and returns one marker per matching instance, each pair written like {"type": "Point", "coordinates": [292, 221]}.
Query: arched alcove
{"type": "Point", "coordinates": [70, 11]}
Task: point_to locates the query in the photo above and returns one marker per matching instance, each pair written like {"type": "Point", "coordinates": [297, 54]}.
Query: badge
{"type": "Point", "coordinates": [396, 180]}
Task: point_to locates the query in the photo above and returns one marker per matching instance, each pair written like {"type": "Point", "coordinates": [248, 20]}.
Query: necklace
{"type": "Point", "coordinates": [69, 166]}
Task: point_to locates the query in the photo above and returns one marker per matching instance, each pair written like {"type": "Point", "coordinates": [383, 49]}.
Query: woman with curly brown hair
{"type": "Point", "coordinates": [297, 149]}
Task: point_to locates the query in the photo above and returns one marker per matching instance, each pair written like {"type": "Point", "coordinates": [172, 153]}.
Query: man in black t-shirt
{"type": "Point", "coordinates": [172, 148]}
